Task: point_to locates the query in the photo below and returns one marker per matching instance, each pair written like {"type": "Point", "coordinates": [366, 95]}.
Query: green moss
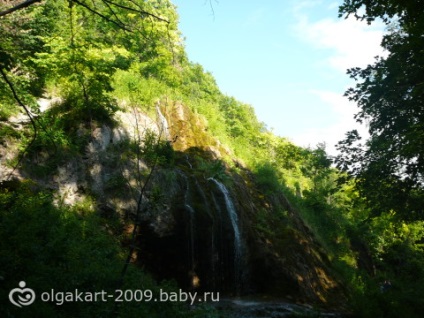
{"type": "Point", "coordinates": [6, 131]}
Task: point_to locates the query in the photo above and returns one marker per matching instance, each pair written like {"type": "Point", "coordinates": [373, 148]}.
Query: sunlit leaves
{"type": "Point", "coordinates": [390, 96]}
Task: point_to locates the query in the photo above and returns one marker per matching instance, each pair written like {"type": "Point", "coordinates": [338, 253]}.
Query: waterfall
{"type": "Point", "coordinates": [188, 161]}
{"type": "Point", "coordinates": [237, 237]}
{"type": "Point", "coordinates": [163, 124]}
{"type": "Point", "coordinates": [191, 211]}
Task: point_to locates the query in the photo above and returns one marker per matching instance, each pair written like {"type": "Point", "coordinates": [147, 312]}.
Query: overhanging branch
{"type": "Point", "coordinates": [101, 15]}
{"type": "Point", "coordinates": [135, 10]}
{"type": "Point", "coordinates": [27, 111]}
{"type": "Point", "coordinates": [18, 7]}
{"type": "Point", "coordinates": [28, 3]}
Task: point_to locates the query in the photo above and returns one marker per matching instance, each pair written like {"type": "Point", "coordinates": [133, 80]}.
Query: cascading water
{"type": "Point", "coordinates": [214, 255]}
{"type": "Point", "coordinates": [188, 161]}
{"type": "Point", "coordinates": [163, 123]}
{"type": "Point", "coordinates": [237, 237]}
{"type": "Point", "coordinates": [191, 211]}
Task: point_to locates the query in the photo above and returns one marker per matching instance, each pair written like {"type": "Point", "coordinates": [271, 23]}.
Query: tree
{"type": "Point", "coordinates": [389, 166]}
{"type": "Point", "coordinates": [408, 11]}
{"type": "Point", "coordinates": [76, 45]}
{"type": "Point", "coordinates": [8, 7]}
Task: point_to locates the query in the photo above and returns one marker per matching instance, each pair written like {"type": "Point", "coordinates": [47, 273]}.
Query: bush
{"type": "Point", "coordinates": [64, 249]}
{"type": "Point", "coordinates": [267, 179]}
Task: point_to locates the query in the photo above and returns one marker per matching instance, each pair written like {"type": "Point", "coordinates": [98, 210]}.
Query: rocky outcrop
{"type": "Point", "coordinates": [202, 224]}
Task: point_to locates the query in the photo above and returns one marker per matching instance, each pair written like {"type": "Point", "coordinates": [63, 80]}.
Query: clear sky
{"type": "Point", "coordinates": [286, 58]}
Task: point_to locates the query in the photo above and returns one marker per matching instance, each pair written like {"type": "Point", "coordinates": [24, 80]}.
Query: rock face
{"type": "Point", "coordinates": [205, 233]}
{"type": "Point", "coordinates": [201, 246]}
{"type": "Point", "coordinates": [202, 225]}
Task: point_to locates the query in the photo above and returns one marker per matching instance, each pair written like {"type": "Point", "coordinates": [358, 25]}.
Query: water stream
{"type": "Point", "coordinates": [163, 124]}
{"type": "Point", "coordinates": [191, 212]}
{"type": "Point", "coordinates": [237, 237]}
{"type": "Point", "coordinates": [255, 307]}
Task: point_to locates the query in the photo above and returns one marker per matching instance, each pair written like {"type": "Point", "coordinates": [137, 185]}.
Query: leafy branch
{"type": "Point", "coordinates": [139, 198]}
{"type": "Point", "coordinates": [20, 6]}
{"type": "Point", "coordinates": [108, 3]}
{"type": "Point", "coordinates": [27, 111]}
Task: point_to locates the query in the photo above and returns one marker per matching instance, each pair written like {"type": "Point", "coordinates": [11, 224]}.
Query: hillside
{"type": "Point", "coordinates": [123, 166]}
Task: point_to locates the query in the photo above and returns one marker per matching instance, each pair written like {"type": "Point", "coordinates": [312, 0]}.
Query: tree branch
{"type": "Point", "coordinates": [101, 15]}
{"type": "Point", "coordinates": [113, 13]}
{"type": "Point", "coordinates": [135, 10]}
{"type": "Point", "coordinates": [18, 100]}
{"type": "Point", "coordinates": [20, 6]}
{"type": "Point", "coordinates": [28, 3]}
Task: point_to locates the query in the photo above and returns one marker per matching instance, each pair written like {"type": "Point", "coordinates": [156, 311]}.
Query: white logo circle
{"type": "Point", "coordinates": [22, 296]}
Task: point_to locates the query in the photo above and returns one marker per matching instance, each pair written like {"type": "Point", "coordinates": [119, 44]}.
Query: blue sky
{"type": "Point", "coordinates": [286, 58]}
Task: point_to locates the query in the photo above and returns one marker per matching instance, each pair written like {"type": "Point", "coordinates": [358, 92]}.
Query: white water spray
{"type": "Point", "coordinates": [237, 237]}
{"type": "Point", "coordinates": [163, 123]}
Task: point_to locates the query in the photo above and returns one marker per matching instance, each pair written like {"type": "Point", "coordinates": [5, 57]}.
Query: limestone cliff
{"type": "Point", "coordinates": [203, 223]}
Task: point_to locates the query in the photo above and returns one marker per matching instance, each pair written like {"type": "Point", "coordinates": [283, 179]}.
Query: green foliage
{"type": "Point", "coordinates": [53, 133]}
{"type": "Point", "coordinates": [274, 225]}
{"type": "Point", "coordinates": [7, 108]}
{"type": "Point", "coordinates": [198, 84]}
{"type": "Point", "coordinates": [370, 225]}
{"type": "Point", "coordinates": [7, 131]}
{"type": "Point", "coordinates": [19, 40]}
{"type": "Point", "coordinates": [240, 119]}
{"type": "Point", "coordinates": [212, 169]}
{"type": "Point", "coordinates": [390, 95]}
{"type": "Point", "coordinates": [116, 183]}
{"type": "Point", "coordinates": [154, 151]}
{"type": "Point", "coordinates": [51, 248]}
{"type": "Point", "coordinates": [82, 74]}
{"type": "Point", "coordinates": [267, 179]}
{"type": "Point", "coordinates": [388, 167]}
{"type": "Point", "coordinates": [408, 12]}
{"type": "Point", "coordinates": [65, 249]}
{"type": "Point", "coordinates": [137, 90]}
